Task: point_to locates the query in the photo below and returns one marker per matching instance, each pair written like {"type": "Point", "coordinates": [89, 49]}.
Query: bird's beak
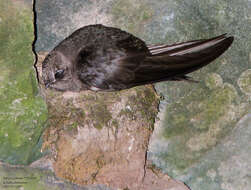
{"type": "Point", "coordinates": [48, 84]}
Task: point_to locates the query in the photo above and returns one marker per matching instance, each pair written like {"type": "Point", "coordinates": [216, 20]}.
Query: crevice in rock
{"type": "Point", "coordinates": [35, 38]}
{"type": "Point", "coordinates": [149, 137]}
{"type": "Point", "coordinates": [187, 186]}
{"type": "Point", "coordinates": [145, 161]}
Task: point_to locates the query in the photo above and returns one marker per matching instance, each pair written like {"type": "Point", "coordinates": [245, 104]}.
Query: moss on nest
{"type": "Point", "coordinates": [100, 115]}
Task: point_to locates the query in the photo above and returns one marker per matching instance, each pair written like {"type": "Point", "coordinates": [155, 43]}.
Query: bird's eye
{"type": "Point", "coordinates": [59, 74]}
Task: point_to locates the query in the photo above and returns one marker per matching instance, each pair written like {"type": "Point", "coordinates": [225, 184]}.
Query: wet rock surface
{"type": "Point", "coordinates": [196, 120]}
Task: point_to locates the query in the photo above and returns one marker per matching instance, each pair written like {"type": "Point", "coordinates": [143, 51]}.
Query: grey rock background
{"type": "Point", "coordinates": [198, 138]}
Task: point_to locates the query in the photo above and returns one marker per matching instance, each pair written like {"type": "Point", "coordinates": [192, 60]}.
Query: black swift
{"type": "Point", "coordinates": [101, 58]}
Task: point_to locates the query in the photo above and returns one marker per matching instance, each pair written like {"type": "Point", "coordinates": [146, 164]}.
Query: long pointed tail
{"type": "Point", "coordinates": [170, 62]}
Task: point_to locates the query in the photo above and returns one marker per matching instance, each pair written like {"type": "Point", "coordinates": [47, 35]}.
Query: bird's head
{"type": "Point", "coordinates": [57, 72]}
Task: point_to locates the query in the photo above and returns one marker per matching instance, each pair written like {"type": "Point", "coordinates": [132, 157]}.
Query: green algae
{"type": "Point", "coordinates": [244, 82]}
{"type": "Point", "coordinates": [213, 81]}
{"type": "Point", "coordinates": [22, 111]}
{"type": "Point", "coordinates": [145, 99]}
{"type": "Point", "coordinates": [214, 106]}
{"type": "Point", "coordinates": [200, 108]}
{"type": "Point", "coordinates": [101, 115]}
{"type": "Point", "coordinates": [140, 105]}
{"type": "Point", "coordinates": [115, 124]}
{"type": "Point", "coordinates": [199, 121]}
{"type": "Point", "coordinates": [198, 117]}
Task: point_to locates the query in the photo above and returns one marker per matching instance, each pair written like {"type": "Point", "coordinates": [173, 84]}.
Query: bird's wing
{"type": "Point", "coordinates": [168, 49]}
{"type": "Point", "coordinates": [164, 62]}
{"type": "Point", "coordinates": [111, 65]}
{"type": "Point", "coordinates": [175, 61]}
{"type": "Point", "coordinates": [109, 69]}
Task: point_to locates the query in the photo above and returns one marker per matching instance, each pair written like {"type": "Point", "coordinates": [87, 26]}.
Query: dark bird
{"type": "Point", "coordinates": [101, 58]}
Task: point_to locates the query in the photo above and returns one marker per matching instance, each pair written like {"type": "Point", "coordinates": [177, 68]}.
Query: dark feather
{"type": "Point", "coordinates": [164, 48]}
{"type": "Point", "coordinates": [165, 62]}
{"type": "Point", "coordinates": [176, 61]}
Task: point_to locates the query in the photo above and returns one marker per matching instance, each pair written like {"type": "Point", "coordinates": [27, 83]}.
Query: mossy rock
{"type": "Point", "coordinates": [23, 112]}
